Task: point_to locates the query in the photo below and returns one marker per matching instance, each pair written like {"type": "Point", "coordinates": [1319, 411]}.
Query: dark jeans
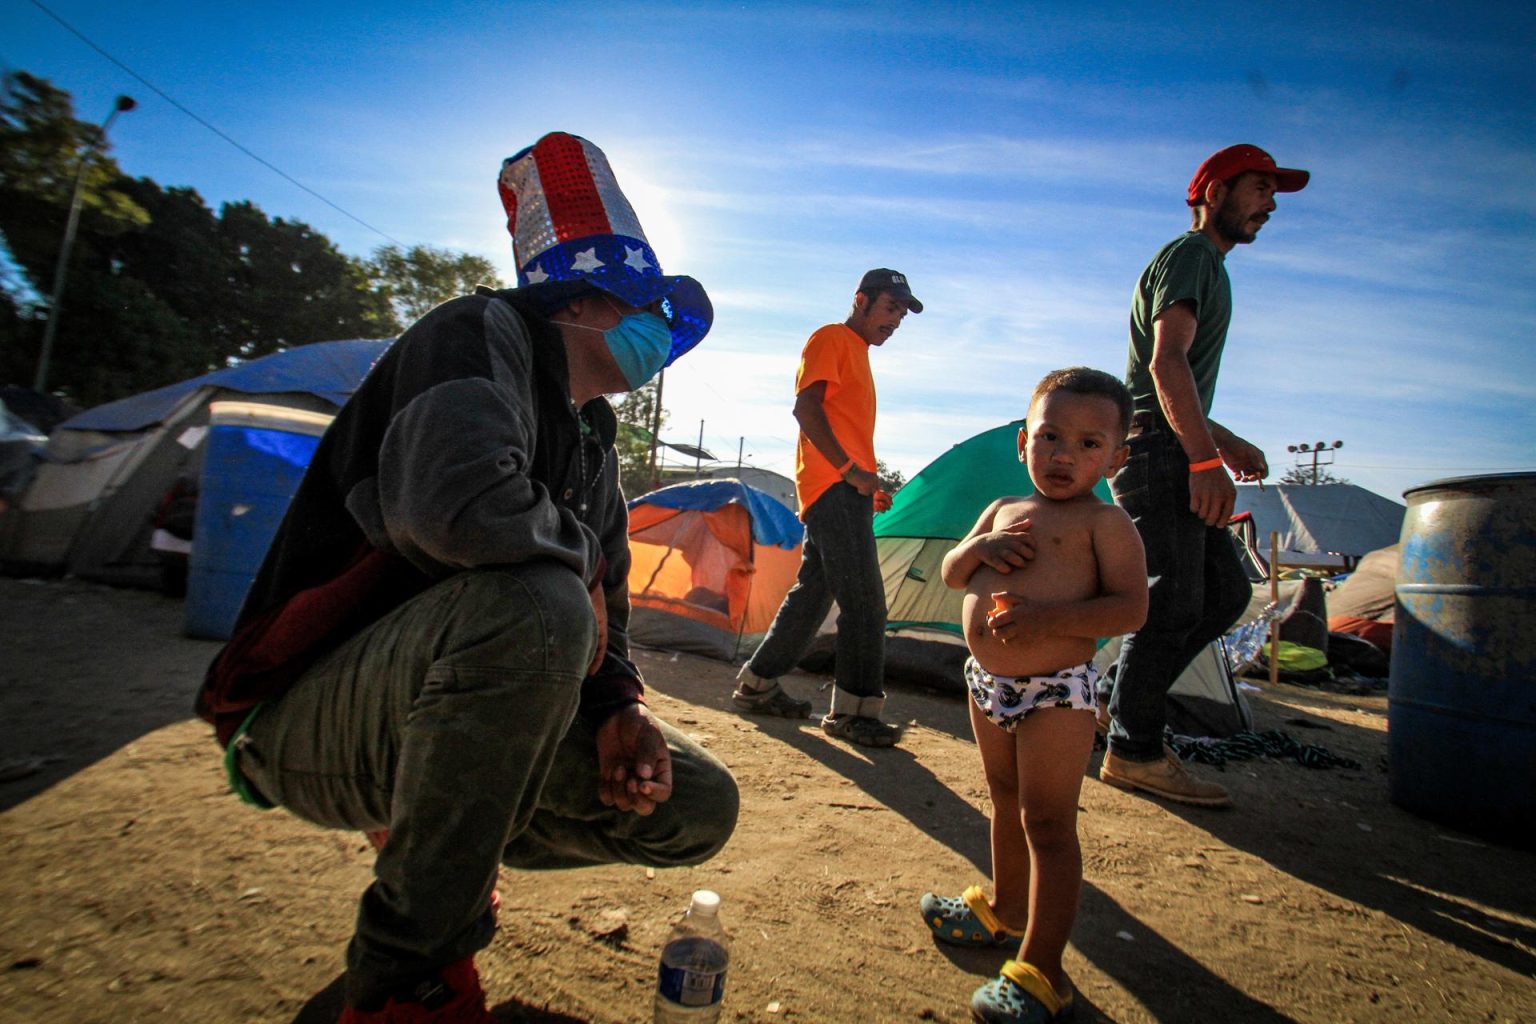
{"type": "Point", "coordinates": [838, 563]}
{"type": "Point", "coordinates": [1198, 590]}
{"type": "Point", "coordinates": [452, 722]}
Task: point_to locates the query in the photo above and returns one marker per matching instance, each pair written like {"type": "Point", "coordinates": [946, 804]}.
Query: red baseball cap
{"type": "Point", "coordinates": [1226, 164]}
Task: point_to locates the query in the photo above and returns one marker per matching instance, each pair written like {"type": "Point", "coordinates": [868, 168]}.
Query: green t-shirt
{"type": "Point", "coordinates": [1188, 269]}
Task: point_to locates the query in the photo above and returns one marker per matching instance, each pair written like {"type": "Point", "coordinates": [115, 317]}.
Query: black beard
{"type": "Point", "coordinates": [1231, 228]}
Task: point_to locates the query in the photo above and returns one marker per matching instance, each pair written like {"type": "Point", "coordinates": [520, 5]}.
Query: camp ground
{"type": "Point", "coordinates": [138, 888]}
{"type": "Point", "coordinates": [712, 559]}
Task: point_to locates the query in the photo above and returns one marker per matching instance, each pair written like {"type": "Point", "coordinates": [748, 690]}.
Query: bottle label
{"type": "Point", "coordinates": [691, 988]}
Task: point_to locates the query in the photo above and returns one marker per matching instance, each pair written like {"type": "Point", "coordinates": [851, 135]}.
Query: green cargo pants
{"type": "Point", "coordinates": [452, 722]}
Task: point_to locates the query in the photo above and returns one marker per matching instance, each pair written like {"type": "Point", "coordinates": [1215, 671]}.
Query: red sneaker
{"type": "Point", "coordinates": [454, 996]}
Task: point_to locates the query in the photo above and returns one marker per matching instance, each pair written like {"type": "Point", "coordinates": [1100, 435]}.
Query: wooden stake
{"type": "Point", "coordinates": [1274, 597]}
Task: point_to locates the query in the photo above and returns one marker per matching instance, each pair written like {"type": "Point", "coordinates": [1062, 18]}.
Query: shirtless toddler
{"type": "Point", "coordinates": [1045, 576]}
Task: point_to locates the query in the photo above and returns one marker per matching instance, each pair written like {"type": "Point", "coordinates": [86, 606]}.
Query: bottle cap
{"type": "Point", "coordinates": [705, 901]}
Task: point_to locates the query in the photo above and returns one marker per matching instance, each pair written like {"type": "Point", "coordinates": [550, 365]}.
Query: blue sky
{"type": "Point", "coordinates": [1019, 162]}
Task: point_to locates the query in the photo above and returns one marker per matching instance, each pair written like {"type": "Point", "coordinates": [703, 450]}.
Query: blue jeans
{"type": "Point", "coordinates": [1198, 590]}
{"type": "Point", "coordinates": [452, 722]}
{"type": "Point", "coordinates": [838, 563]}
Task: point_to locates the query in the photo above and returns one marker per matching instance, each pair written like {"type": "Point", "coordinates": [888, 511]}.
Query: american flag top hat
{"type": "Point", "coordinates": [570, 222]}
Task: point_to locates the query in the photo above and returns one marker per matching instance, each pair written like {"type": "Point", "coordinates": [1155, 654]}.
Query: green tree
{"type": "Point", "coordinates": [1303, 475]}
{"type": "Point", "coordinates": [159, 288]}
{"type": "Point", "coordinates": [288, 285]}
{"type": "Point", "coordinates": [416, 279]}
{"type": "Point", "coordinates": [637, 419]}
{"type": "Point", "coordinates": [42, 150]}
{"type": "Point", "coordinates": [891, 480]}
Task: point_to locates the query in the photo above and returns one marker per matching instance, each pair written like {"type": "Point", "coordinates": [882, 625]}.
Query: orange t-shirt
{"type": "Point", "coordinates": [837, 355]}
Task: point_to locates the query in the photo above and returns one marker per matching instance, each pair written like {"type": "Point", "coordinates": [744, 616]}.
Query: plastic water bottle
{"type": "Point", "coordinates": [691, 980]}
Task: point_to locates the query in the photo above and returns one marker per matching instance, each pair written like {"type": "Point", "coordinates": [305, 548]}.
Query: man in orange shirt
{"type": "Point", "coordinates": [838, 493]}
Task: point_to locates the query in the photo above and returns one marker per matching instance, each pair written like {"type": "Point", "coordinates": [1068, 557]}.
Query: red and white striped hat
{"type": "Point", "coordinates": [570, 222]}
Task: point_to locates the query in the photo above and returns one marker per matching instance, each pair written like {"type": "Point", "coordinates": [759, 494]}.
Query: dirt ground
{"type": "Point", "coordinates": [133, 887]}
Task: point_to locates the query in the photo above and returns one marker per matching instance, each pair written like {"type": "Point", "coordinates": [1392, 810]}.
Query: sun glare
{"type": "Point", "coordinates": [656, 208]}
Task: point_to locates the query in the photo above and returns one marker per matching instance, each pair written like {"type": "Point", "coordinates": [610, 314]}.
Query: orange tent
{"type": "Point", "coordinates": [711, 561]}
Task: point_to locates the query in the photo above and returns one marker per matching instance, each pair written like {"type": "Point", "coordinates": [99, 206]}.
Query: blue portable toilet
{"type": "Point", "coordinates": [254, 458]}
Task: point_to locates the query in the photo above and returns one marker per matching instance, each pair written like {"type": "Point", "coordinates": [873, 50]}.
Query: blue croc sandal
{"type": "Point", "coordinates": [966, 920]}
{"type": "Point", "coordinates": [1020, 994]}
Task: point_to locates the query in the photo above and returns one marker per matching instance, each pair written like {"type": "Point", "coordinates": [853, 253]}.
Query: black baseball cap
{"type": "Point", "coordinates": [884, 280]}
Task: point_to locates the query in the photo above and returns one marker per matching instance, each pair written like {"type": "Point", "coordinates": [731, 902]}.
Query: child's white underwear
{"type": "Point", "coordinates": [1006, 700]}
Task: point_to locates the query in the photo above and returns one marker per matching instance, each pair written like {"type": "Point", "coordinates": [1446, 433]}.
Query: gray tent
{"type": "Point", "coordinates": [90, 509]}
{"type": "Point", "coordinates": [1327, 526]}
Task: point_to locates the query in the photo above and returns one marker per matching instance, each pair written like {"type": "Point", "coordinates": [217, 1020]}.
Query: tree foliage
{"type": "Point", "coordinates": [637, 423]}
{"type": "Point", "coordinates": [159, 287]}
{"type": "Point", "coordinates": [1304, 475]}
{"type": "Point", "coordinates": [41, 149]}
{"type": "Point", "coordinates": [288, 285]}
{"type": "Point", "coordinates": [891, 480]}
{"type": "Point", "coordinates": [416, 279]}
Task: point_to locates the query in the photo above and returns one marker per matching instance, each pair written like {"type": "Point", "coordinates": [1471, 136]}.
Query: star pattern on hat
{"type": "Point", "coordinates": [537, 276]}
{"type": "Point", "coordinates": [636, 258]}
{"type": "Point", "coordinates": [586, 260]}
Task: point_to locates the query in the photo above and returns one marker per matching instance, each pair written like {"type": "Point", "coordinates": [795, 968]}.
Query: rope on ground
{"type": "Point", "coordinates": [1245, 746]}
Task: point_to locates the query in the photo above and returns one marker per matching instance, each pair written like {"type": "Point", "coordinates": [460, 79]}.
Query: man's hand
{"type": "Point", "coordinates": [1211, 496]}
{"type": "Point", "coordinates": [1245, 460]}
{"type": "Point", "coordinates": [862, 480]}
{"type": "Point", "coordinates": [600, 612]}
{"type": "Point", "coordinates": [634, 768]}
{"type": "Point", "coordinates": [1007, 549]}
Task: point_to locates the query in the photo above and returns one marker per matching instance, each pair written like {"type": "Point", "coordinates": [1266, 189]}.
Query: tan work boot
{"type": "Point", "coordinates": [1167, 778]}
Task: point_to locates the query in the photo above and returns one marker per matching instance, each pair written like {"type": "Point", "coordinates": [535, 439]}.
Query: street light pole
{"type": "Point", "coordinates": [652, 479]}
{"type": "Point", "coordinates": [1315, 450]}
{"type": "Point", "coordinates": [40, 381]}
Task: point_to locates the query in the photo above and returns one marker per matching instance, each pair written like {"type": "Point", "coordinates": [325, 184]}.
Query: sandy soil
{"type": "Point", "coordinates": [134, 888]}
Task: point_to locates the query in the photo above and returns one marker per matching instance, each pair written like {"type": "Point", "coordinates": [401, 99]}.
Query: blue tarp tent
{"type": "Point", "coordinates": [328, 370]}
{"type": "Point", "coordinates": [90, 510]}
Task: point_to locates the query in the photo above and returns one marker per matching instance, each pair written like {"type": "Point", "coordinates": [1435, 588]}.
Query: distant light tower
{"type": "Point", "coordinates": [1315, 450]}
{"type": "Point", "coordinates": [121, 105]}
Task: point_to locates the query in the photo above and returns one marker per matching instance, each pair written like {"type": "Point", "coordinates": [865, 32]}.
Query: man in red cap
{"type": "Point", "coordinates": [434, 650]}
{"type": "Point", "coordinates": [1175, 483]}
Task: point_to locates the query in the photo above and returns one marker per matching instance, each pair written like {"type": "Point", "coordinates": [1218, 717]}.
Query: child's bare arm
{"type": "Point", "coordinates": [1003, 550]}
{"type": "Point", "coordinates": [1122, 573]}
{"type": "Point", "coordinates": [1119, 607]}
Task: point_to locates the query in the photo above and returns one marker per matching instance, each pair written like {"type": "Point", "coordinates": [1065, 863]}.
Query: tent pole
{"type": "Point", "coordinates": [741, 629]}
{"type": "Point", "coordinates": [671, 547]}
{"type": "Point", "coordinates": [1274, 597]}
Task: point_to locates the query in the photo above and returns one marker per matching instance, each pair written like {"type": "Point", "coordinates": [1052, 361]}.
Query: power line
{"type": "Point", "coordinates": [172, 101]}
{"type": "Point", "coordinates": [1441, 469]}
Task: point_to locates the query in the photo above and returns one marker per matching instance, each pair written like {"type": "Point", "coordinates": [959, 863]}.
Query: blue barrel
{"type": "Point", "coordinates": [1461, 716]}
{"type": "Point", "coordinates": [254, 457]}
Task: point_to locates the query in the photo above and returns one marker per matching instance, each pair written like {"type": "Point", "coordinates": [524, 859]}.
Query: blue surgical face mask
{"type": "Point", "coordinates": [640, 344]}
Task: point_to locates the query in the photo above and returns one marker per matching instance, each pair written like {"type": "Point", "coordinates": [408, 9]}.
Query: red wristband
{"type": "Point", "coordinates": [844, 467]}
{"type": "Point", "coordinates": [1208, 464]}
